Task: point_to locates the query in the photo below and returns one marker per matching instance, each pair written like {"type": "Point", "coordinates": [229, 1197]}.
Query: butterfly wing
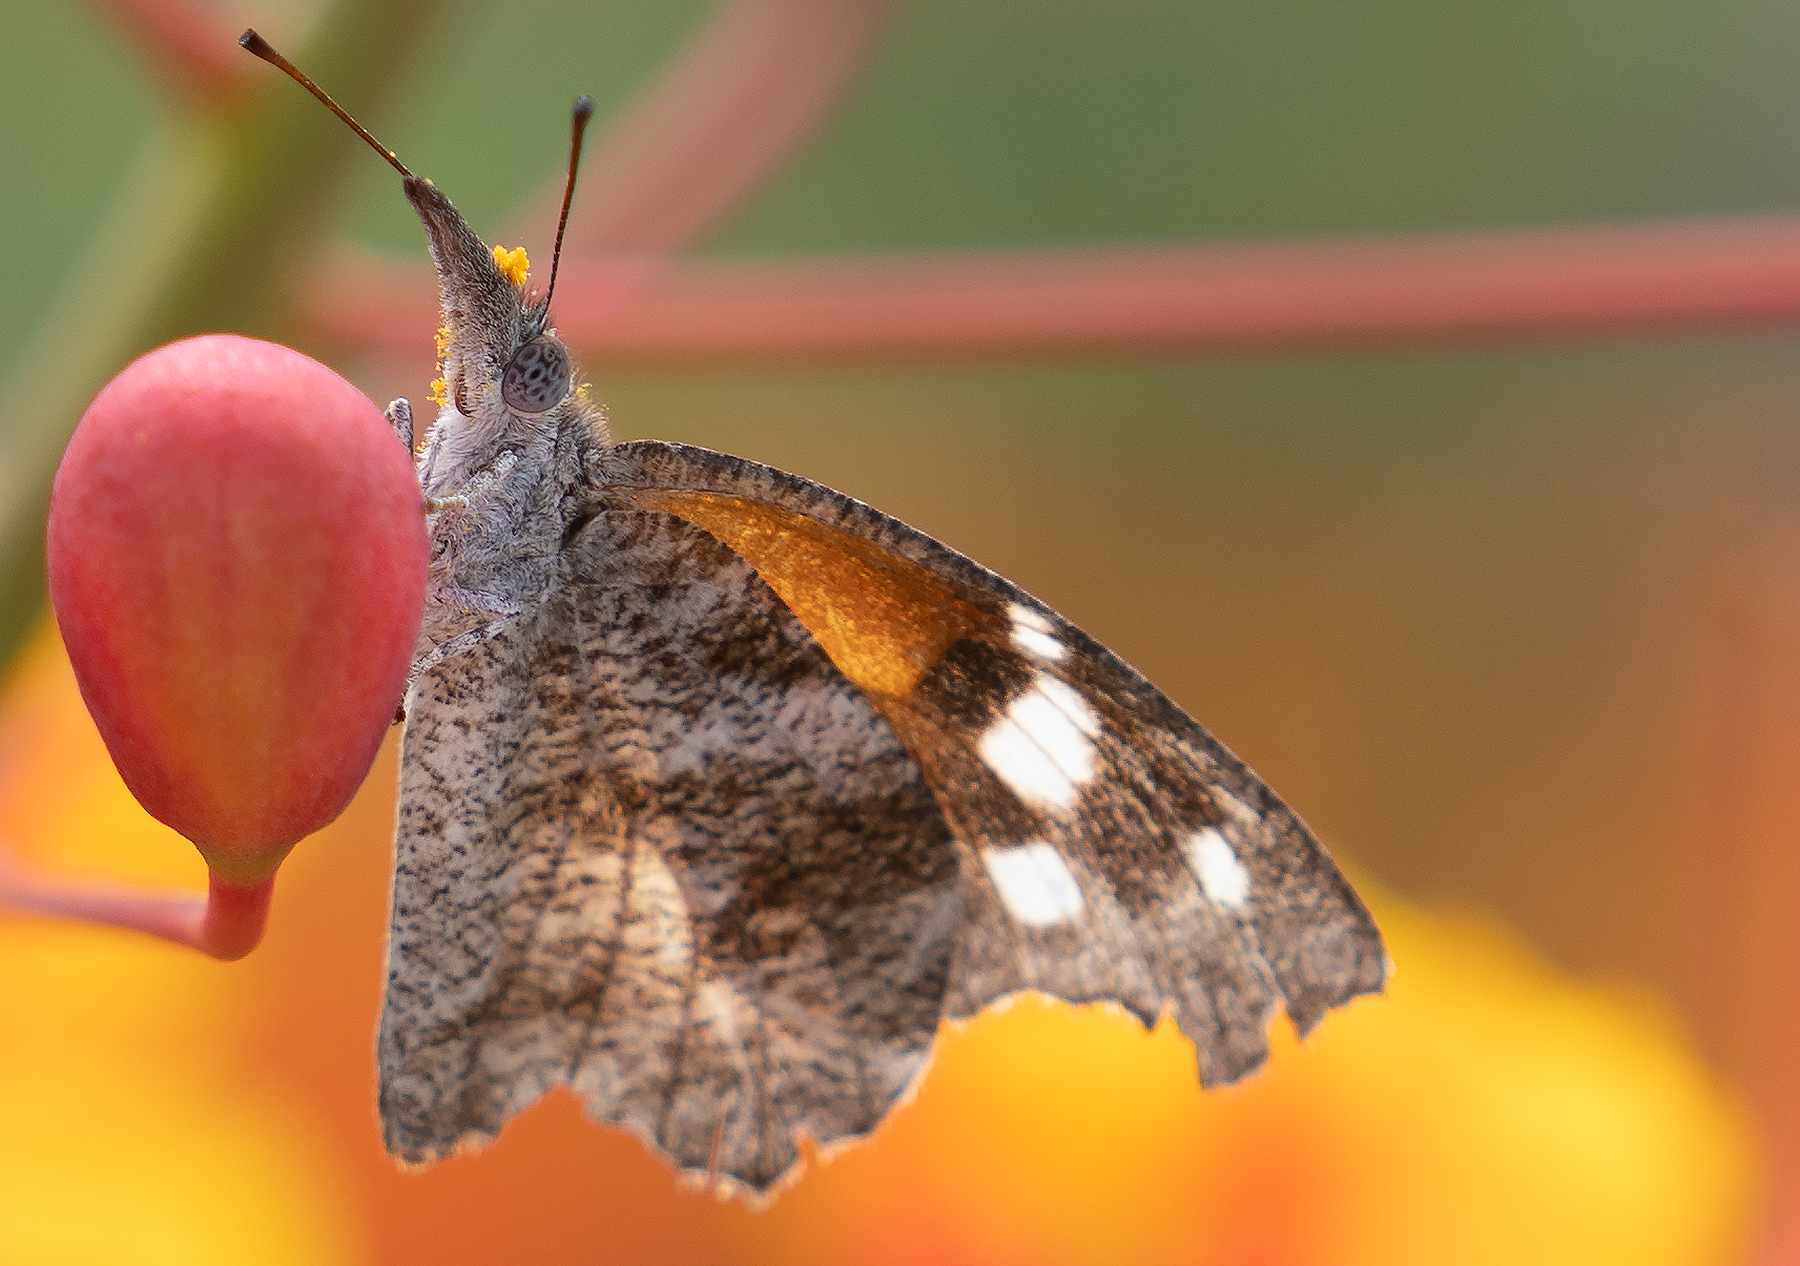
{"type": "Point", "coordinates": [770, 785]}
{"type": "Point", "coordinates": [652, 846]}
{"type": "Point", "coordinates": [1030, 732]}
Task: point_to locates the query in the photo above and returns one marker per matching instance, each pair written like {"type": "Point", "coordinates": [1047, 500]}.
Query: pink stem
{"type": "Point", "coordinates": [1427, 287]}
{"type": "Point", "coordinates": [730, 108]}
{"type": "Point", "coordinates": [226, 925]}
{"type": "Point", "coordinates": [1742, 879]}
{"type": "Point", "coordinates": [236, 918]}
{"type": "Point", "coordinates": [188, 39]}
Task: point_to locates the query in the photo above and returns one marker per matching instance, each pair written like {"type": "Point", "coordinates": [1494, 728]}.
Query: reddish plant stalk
{"type": "Point", "coordinates": [187, 40]}
{"type": "Point", "coordinates": [729, 110]}
{"type": "Point", "coordinates": [1743, 872]}
{"type": "Point", "coordinates": [1395, 290]}
{"type": "Point", "coordinates": [226, 924]}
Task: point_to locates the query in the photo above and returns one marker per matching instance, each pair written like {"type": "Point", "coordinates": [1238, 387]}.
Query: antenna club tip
{"type": "Point", "coordinates": [584, 106]}
{"type": "Point", "coordinates": [251, 40]}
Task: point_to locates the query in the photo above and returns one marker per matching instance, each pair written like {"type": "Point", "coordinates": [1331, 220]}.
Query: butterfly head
{"type": "Point", "coordinates": [499, 358]}
{"type": "Point", "coordinates": [499, 354]}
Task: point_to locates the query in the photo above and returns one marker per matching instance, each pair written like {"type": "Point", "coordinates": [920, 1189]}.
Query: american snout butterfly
{"type": "Point", "coordinates": [720, 790]}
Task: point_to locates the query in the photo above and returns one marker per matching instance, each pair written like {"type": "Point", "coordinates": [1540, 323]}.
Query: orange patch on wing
{"type": "Point", "coordinates": [884, 620]}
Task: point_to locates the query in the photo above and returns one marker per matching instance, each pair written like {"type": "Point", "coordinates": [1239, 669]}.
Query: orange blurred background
{"type": "Point", "coordinates": [1513, 624]}
{"type": "Point", "coordinates": [161, 1107]}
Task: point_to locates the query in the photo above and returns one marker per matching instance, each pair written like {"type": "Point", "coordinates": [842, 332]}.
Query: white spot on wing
{"type": "Point", "coordinates": [1032, 634]}
{"type": "Point", "coordinates": [1043, 745]}
{"type": "Point", "coordinates": [1034, 883]}
{"type": "Point", "coordinates": [1070, 704]}
{"type": "Point", "coordinates": [1040, 645]}
{"type": "Point", "coordinates": [1024, 766]}
{"type": "Point", "coordinates": [1221, 874]}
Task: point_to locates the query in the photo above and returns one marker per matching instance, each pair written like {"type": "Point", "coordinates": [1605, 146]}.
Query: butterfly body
{"type": "Point", "coordinates": [720, 791]}
{"type": "Point", "coordinates": [488, 472]}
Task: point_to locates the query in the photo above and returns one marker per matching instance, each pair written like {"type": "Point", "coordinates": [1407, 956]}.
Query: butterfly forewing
{"type": "Point", "coordinates": [1033, 734]}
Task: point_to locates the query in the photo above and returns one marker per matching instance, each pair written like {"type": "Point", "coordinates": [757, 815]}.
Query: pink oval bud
{"type": "Point", "coordinates": [237, 559]}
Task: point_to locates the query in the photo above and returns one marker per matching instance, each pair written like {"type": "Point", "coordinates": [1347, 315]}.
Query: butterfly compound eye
{"type": "Point", "coordinates": [537, 377]}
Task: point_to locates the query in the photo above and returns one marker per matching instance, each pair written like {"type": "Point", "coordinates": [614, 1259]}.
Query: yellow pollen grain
{"type": "Point", "coordinates": [512, 264]}
{"type": "Point", "coordinates": [440, 392]}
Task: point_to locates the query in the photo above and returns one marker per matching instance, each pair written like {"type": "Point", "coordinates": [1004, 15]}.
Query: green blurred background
{"type": "Point", "coordinates": [1446, 600]}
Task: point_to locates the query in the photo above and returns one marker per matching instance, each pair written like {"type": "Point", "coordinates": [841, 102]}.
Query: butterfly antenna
{"type": "Point", "coordinates": [578, 121]}
{"type": "Point", "coordinates": [255, 43]}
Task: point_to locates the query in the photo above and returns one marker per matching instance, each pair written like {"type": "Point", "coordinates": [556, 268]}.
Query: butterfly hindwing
{"type": "Point", "coordinates": [688, 871]}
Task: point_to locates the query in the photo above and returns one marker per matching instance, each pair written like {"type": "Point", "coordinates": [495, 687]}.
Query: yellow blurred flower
{"type": "Point", "coordinates": [1486, 1110]}
{"type": "Point", "coordinates": [134, 1127]}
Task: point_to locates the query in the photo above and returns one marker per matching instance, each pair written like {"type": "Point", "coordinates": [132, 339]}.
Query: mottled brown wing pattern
{"type": "Point", "coordinates": [653, 846]}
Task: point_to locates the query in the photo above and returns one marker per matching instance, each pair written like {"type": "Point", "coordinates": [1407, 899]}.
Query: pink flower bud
{"type": "Point", "coordinates": [237, 559]}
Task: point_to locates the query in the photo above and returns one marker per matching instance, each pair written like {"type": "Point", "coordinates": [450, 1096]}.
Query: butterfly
{"type": "Point", "coordinates": [721, 791]}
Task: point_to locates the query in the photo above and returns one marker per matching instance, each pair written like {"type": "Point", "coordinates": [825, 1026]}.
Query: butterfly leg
{"type": "Point", "coordinates": [454, 646]}
{"type": "Point", "coordinates": [479, 488]}
{"type": "Point", "coordinates": [399, 416]}
{"type": "Point", "coordinates": [468, 602]}
{"type": "Point", "coordinates": [476, 601]}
